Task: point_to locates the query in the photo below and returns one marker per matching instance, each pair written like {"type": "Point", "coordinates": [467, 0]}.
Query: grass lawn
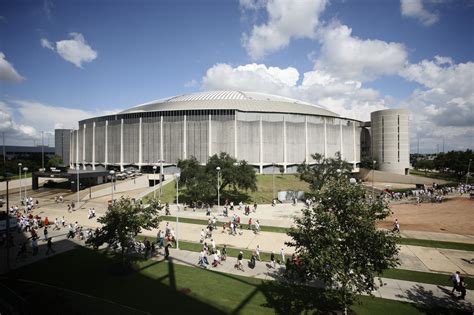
{"type": "Point", "coordinates": [161, 287]}
{"type": "Point", "coordinates": [436, 244]}
{"type": "Point", "coordinates": [421, 277]}
{"type": "Point", "coordinates": [264, 193]}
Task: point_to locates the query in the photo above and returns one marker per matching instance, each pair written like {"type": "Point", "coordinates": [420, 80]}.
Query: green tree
{"type": "Point", "coordinates": [55, 161]}
{"type": "Point", "coordinates": [201, 181]}
{"type": "Point", "coordinates": [122, 222]}
{"type": "Point", "coordinates": [425, 164]}
{"type": "Point", "coordinates": [339, 243]}
{"type": "Point", "coordinates": [323, 170]}
{"type": "Point", "coordinates": [454, 162]}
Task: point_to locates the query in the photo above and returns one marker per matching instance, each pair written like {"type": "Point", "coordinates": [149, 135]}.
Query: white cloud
{"type": "Point", "coordinates": [415, 9]}
{"type": "Point", "coordinates": [252, 4]}
{"type": "Point", "coordinates": [286, 20]}
{"type": "Point", "coordinates": [190, 84]}
{"type": "Point", "coordinates": [444, 106]}
{"type": "Point", "coordinates": [345, 97]}
{"type": "Point", "coordinates": [75, 50]}
{"type": "Point", "coordinates": [23, 120]}
{"type": "Point", "coordinates": [7, 71]}
{"type": "Point", "coordinates": [352, 58]}
{"type": "Point", "coordinates": [45, 43]}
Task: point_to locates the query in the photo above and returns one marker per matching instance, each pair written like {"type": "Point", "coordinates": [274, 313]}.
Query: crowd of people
{"type": "Point", "coordinates": [436, 193]}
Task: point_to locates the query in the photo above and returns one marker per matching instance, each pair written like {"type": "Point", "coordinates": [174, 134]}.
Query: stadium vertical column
{"type": "Point", "coordinates": [261, 145]}
{"type": "Point", "coordinates": [121, 145]}
{"type": "Point", "coordinates": [210, 137]}
{"type": "Point", "coordinates": [340, 139]}
{"type": "Point", "coordinates": [306, 151]}
{"type": "Point", "coordinates": [355, 147]}
{"type": "Point", "coordinates": [71, 149]}
{"type": "Point", "coordinates": [284, 146]}
{"type": "Point", "coordinates": [106, 155]}
{"type": "Point", "coordinates": [84, 147]}
{"type": "Point", "coordinates": [184, 137]}
{"type": "Point", "coordinates": [93, 145]}
{"type": "Point", "coordinates": [161, 140]}
{"type": "Point", "coordinates": [140, 154]}
{"type": "Point", "coordinates": [325, 138]}
{"type": "Point", "coordinates": [235, 135]}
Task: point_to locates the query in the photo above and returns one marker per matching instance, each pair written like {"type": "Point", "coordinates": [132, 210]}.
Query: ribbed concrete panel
{"type": "Point", "coordinates": [130, 141]}
{"type": "Point", "coordinates": [81, 136]}
{"type": "Point", "coordinates": [222, 131]}
{"type": "Point", "coordinates": [113, 140]}
{"type": "Point", "coordinates": [315, 136]}
{"type": "Point", "coordinates": [197, 139]}
{"type": "Point", "coordinates": [151, 140]}
{"type": "Point", "coordinates": [348, 141]}
{"type": "Point", "coordinates": [88, 146]}
{"type": "Point", "coordinates": [73, 147]}
{"type": "Point", "coordinates": [100, 142]}
{"type": "Point", "coordinates": [249, 141]}
{"type": "Point", "coordinates": [173, 138]}
{"type": "Point", "coordinates": [295, 138]}
{"type": "Point", "coordinates": [333, 137]}
{"type": "Point", "coordinates": [273, 141]}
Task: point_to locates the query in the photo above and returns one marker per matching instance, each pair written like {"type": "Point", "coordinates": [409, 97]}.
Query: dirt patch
{"type": "Point", "coordinates": [453, 216]}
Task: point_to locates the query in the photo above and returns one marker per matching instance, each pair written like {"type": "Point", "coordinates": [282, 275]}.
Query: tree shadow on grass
{"type": "Point", "coordinates": [79, 282]}
{"type": "Point", "coordinates": [427, 302]}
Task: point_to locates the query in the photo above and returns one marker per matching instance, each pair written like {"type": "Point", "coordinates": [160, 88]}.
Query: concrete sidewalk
{"type": "Point", "coordinates": [392, 289]}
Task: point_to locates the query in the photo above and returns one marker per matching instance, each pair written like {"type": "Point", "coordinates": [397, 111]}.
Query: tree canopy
{"type": "Point", "coordinates": [338, 242]}
{"type": "Point", "coordinates": [322, 170]}
{"type": "Point", "coordinates": [122, 222]}
{"type": "Point", "coordinates": [454, 162]}
{"type": "Point", "coordinates": [201, 180]}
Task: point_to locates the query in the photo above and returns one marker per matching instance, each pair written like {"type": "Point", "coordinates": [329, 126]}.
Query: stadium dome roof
{"type": "Point", "coordinates": [236, 100]}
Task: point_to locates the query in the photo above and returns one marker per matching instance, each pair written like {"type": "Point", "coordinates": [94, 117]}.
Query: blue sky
{"type": "Point", "coordinates": [66, 60]}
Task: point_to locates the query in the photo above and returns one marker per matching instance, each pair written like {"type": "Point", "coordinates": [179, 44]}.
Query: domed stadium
{"type": "Point", "coordinates": [265, 130]}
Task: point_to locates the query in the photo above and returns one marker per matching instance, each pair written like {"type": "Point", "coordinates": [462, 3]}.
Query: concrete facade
{"type": "Point", "coordinates": [238, 123]}
{"type": "Point", "coordinates": [390, 130]}
{"type": "Point", "coordinates": [62, 140]}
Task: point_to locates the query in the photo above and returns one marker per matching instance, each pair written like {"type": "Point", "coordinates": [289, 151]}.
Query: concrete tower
{"type": "Point", "coordinates": [391, 140]}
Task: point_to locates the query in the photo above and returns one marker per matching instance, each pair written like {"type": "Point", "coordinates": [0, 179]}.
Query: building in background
{"type": "Point", "coordinates": [267, 131]}
{"type": "Point", "coordinates": [15, 152]}
{"type": "Point", "coordinates": [62, 138]}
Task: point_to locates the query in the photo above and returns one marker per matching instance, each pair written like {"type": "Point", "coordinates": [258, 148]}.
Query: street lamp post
{"type": "Point", "coordinates": [468, 170]}
{"type": "Point", "coordinates": [218, 188]}
{"type": "Point", "coordinates": [273, 179]}
{"type": "Point", "coordinates": [154, 181]}
{"type": "Point", "coordinates": [177, 175]}
{"type": "Point", "coordinates": [25, 170]}
{"type": "Point", "coordinates": [19, 174]}
{"type": "Point", "coordinates": [161, 177]}
{"type": "Point", "coordinates": [373, 171]}
{"type": "Point", "coordinates": [112, 177]}
{"type": "Point", "coordinates": [78, 185]}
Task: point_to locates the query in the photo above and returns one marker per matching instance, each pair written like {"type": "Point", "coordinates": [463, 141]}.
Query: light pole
{"type": "Point", "coordinates": [112, 177]}
{"type": "Point", "coordinates": [19, 174]}
{"type": "Point", "coordinates": [25, 170]}
{"type": "Point", "coordinates": [273, 179]}
{"type": "Point", "coordinates": [161, 177]}
{"type": "Point", "coordinates": [218, 169]}
{"type": "Point", "coordinates": [468, 170]}
{"type": "Point", "coordinates": [78, 185]}
{"type": "Point", "coordinates": [154, 181]}
{"type": "Point", "coordinates": [177, 175]}
{"type": "Point", "coordinates": [373, 171]}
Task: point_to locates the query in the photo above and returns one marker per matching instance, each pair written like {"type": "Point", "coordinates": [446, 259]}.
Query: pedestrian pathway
{"type": "Point", "coordinates": [392, 289]}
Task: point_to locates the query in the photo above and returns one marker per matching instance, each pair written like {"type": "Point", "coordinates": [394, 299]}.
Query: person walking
{"type": "Point", "coordinates": [272, 259]}
{"type": "Point", "coordinates": [282, 253]}
{"type": "Point", "coordinates": [34, 246]}
{"type": "Point", "coordinates": [45, 232]}
{"type": "Point", "coordinates": [167, 251]}
{"type": "Point", "coordinates": [49, 246]}
{"type": "Point", "coordinates": [240, 265]}
{"type": "Point", "coordinates": [456, 280]}
{"type": "Point", "coordinates": [257, 252]}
